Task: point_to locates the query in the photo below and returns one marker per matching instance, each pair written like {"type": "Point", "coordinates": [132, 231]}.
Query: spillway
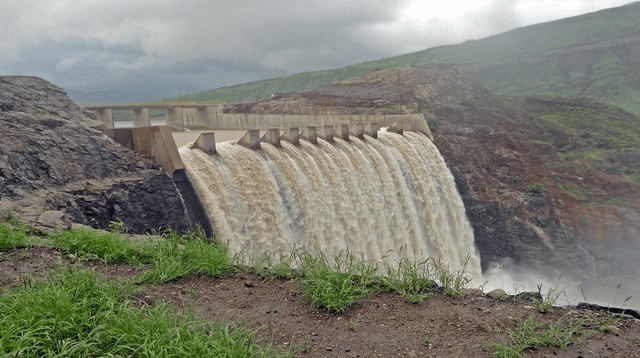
{"type": "Point", "coordinates": [382, 198]}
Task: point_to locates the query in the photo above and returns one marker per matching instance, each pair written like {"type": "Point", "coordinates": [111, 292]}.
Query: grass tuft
{"type": "Point", "coordinates": [174, 257]}
{"type": "Point", "coordinates": [108, 246]}
{"type": "Point", "coordinates": [531, 333]}
{"type": "Point", "coordinates": [411, 279]}
{"type": "Point", "coordinates": [335, 283]}
{"type": "Point", "coordinates": [12, 238]}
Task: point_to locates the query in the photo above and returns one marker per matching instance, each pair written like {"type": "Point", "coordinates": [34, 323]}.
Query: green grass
{"type": "Point", "coordinates": [44, 111]}
{"type": "Point", "coordinates": [532, 333]}
{"type": "Point", "coordinates": [12, 238]}
{"type": "Point", "coordinates": [535, 188]}
{"type": "Point", "coordinates": [175, 257]}
{"type": "Point", "coordinates": [107, 246]}
{"type": "Point", "coordinates": [169, 257]}
{"type": "Point", "coordinates": [335, 283]}
{"type": "Point", "coordinates": [413, 280]}
{"type": "Point", "coordinates": [583, 130]}
{"type": "Point", "coordinates": [73, 313]}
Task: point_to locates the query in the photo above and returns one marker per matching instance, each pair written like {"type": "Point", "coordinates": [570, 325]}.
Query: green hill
{"type": "Point", "coordinates": [596, 55]}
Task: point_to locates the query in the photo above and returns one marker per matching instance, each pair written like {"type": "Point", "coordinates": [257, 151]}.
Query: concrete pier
{"type": "Point", "coordinates": [310, 134]}
{"type": "Point", "coordinates": [342, 132]}
{"type": "Point", "coordinates": [251, 139]}
{"type": "Point", "coordinates": [206, 142]}
{"type": "Point", "coordinates": [291, 135]}
{"type": "Point", "coordinates": [326, 133]}
{"type": "Point", "coordinates": [397, 127]}
{"type": "Point", "coordinates": [155, 142]}
{"type": "Point", "coordinates": [371, 129]}
{"type": "Point", "coordinates": [272, 137]}
{"type": "Point", "coordinates": [174, 118]}
{"type": "Point", "coordinates": [357, 130]}
{"type": "Point", "coordinates": [141, 117]}
{"type": "Point", "coordinates": [105, 115]}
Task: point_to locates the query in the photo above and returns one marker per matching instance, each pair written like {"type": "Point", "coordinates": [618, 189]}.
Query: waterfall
{"type": "Point", "coordinates": [383, 198]}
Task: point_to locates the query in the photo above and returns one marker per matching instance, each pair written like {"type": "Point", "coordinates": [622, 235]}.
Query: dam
{"type": "Point", "coordinates": [381, 193]}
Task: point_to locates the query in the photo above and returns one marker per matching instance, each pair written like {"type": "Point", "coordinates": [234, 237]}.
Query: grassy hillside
{"type": "Point", "coordinates": [585, 131]}
{"type": "Point", "coordinates": [595, 55]}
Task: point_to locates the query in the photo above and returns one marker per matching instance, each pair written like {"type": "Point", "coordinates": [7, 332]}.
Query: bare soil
{"type": "Point", "coordinates": [382, 325]}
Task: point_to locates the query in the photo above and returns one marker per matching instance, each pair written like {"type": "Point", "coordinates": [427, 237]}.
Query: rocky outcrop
{"type": "Point", "coordinates": [52, 158]}
{"type": "Point", "coordinates": [34, 95]}
{"type": "Point", "coordinates": [40, 151]}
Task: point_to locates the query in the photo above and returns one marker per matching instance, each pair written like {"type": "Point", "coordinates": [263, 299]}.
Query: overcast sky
{"type": "Point", "coordinates": [96, 45]}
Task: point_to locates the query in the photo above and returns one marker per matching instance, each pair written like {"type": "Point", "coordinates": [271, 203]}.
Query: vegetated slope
{"type": "Point", "coordinates": [593, 55]}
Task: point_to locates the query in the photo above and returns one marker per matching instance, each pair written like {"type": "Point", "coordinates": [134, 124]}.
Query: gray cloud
{"type": "Point", "coordinates": [93, 43]}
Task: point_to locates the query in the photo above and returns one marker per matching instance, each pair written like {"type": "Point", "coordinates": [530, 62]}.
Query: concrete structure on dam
{"type": "Point", "coordinates": [181, 116]}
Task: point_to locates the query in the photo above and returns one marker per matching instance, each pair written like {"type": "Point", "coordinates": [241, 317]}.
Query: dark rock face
{"type": "Point", "coordinates": [40, 151]}
{"type": "Point", "coordinates": [146, 201]}
{"type": "Point", "coordinates": [52, 156]}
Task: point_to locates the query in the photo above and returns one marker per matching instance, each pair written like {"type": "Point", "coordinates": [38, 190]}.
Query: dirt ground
{"type": "Point", "coordinates": [382, 325]}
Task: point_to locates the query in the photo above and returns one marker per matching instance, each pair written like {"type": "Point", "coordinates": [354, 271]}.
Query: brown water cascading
{"type": "Point", "coordinates": [383, 198]}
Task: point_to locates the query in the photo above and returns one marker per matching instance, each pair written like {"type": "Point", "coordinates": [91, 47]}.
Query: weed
{"type": "Point", "coordinates": [267, 266]}
{"type": "Point", "coordinates": [616, 200]}
{"type": "Point", "coordinates": [118, 226]}
{"type": "Point", "coordinates": [410, 279]}
{"type": "Point", "coordinates": [452, 282]}
{"type": "Point", "coordinates": [354, 324]}
{"type": "Point", "coordinates": [108, 246]}
{"type": "Point", "coordinates": [535, 188]}
{"type": "Point", "coordinates": [499, 267]}
{"type": "Point", "coordinates": [533, 334]}
{"type": "Point", "coordinates": [335, 283]}
{"type": "Point", "coordinates": [549, 299]}
{"type": "Point", "coordinates": [198, 255]}
{"type": "Point", "coordinates": [606, 324]}
{"type": "Point", "coordinates": [467, 103]}
{"type": "Point", "coordinates": [11, 238]}
{"type": "Point", "coordinates": [636, 340]}
{"type": "Point", "coordinates": [45, 111]}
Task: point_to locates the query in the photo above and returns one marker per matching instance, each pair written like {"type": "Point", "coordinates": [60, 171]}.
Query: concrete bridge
{"type": "Point", "coordinates": [176, 114]}
{"type": "Point", "coordinates": [157, 142]}
{"type": "Point", "coordinates": [181, 116]}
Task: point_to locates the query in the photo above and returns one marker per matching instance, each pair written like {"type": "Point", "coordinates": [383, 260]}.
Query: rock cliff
{"type": "Point", "coordinates": [53, 157]}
